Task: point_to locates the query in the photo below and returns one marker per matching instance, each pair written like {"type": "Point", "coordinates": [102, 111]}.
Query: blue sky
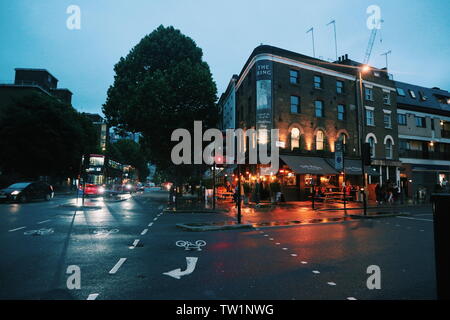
{"type": "Point", "coordinates": [34, 35]}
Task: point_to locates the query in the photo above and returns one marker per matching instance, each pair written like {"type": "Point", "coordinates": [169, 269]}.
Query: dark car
{"type": "Point", "coordinates": [26, 191]}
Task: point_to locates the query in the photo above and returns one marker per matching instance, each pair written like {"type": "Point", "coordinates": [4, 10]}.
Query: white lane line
{"type": "Point", "coordinates": [155, 219]}
{"type": "Point", "coordinates": [277, 243]}
{"type": "Point", "coordinates": [92, 296]}
{"type": "Point", "coordinates": [12, 230]}
{"type": "Point", "coordinates": [144, 232]}
{"type": "Point", "coordinates": [43, 221]}
{"type": "Point", "coordinates": [117, 266]}
{"type": "Point", "coordinates": [316, 271]}
{"type": "Point", "coordinates": [304, 262]}
{"type": "Point", "coordinates": [331, 283]}
{"type": "Point", "coordinates": [293, 254]}
{"type": "Point", "coordinates": [285, 248]}
{"type": "Point", "coordinates": [150, 224]}
{"type": "Point", "coordinates": [415, 219]}
{"type": "Point", "coordinates": [135, 243]}
{"type": "Point", "coordinates": [271, 239]}
{"type": "Point", "coordinates": [266, 235]}
{"type": "Point", "coordinates": [351, 298]}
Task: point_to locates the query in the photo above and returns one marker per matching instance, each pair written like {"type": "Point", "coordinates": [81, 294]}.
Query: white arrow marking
{"type": "Point", "coordinates": [177, 273]}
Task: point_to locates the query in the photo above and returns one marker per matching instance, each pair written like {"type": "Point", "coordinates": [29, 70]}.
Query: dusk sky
{"type": "Point", "coordinates": [34, 35]}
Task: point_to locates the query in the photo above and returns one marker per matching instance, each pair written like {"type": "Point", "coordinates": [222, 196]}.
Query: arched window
{"type": "Point", "coordinates": [371, 142]}
{"type": "Point", "coordinates": [295, 138]}
{"type": "Point", "coordinates": [388, 148]}
{"type": "Point", "coordinates": [319, 140]}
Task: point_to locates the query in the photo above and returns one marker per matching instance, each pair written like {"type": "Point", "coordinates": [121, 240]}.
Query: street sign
{"type": "Point", "coordinates": [338, 156]}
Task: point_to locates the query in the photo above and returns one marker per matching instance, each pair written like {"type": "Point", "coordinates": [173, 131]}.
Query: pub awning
{"type": "Point", "coordinates": [308, 165]}
{"type": "Point", "coordinates": [353, 167]}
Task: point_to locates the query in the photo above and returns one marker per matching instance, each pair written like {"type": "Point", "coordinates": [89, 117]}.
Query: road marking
{"type": "Point", "coordinates": [285, 248]}
{"type": "Point", "coordinates": [12, 230]}
{"type": "Point", "coordinates": [271, 239]}
{"type": "Point", "coordinates": [177, 273]}
{"type": "Point", "coordinates": [331, 283]}
{"type": "Point", "coordinates": [293, 254]}
{"type": "Point", "coordinates": [43, 221]}
{"type": "Point", "coordinates": [266, 235]}
{"type": "Point", "coordinates": [150, 224]}
{"type": "Point", "coordinates": [416, 219]}
{"type": "Point", "coordinates": [351, 298]}
{"type": "Point", "coordinates": [155, 219]}
{"type": "Point", "coordinates": [117, 266]}
{"type": "Point", "coordinates": [421, 230]}
{"type": "Point", "coordinates": [277, 243]}
{"type": "Point", "coordinates": [304, 262]}
{"type": "Point", "coordinates": [135, 243]}
{"type": "Point", "coordinates": [92, 296]}
{"type": "Point", "coordinates": [316, 271]}
{"type": "Point", "coordinates": [261, 232]}
{"type": "Point", "coordinates": [144, 232]}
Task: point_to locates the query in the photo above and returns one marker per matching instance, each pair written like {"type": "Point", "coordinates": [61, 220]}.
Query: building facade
{"type": "Point", "coordinates": [424, 139]}
{"type": "Point", "coordinates": [315, 104]}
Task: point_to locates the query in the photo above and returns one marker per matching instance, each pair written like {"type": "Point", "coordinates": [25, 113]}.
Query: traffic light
{"type": "Point", "coordinates": [366, 154]}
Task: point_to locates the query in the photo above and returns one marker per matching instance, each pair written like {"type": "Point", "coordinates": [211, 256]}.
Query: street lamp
{"type": "Point", "coordinates": [360, 101]}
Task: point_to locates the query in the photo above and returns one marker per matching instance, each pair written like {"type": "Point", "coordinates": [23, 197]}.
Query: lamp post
{"type": "Point", "coordinates": [360, 101]}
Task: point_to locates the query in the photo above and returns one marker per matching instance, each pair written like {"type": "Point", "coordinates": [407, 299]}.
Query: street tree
{"type": "Point", "coordinates": [40, 136]}
{"type": "Point", "coordinates": [161, 85]}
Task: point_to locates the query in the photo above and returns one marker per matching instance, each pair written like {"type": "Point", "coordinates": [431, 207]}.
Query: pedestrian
{"type": "Point", "coordinates": [378, 193]}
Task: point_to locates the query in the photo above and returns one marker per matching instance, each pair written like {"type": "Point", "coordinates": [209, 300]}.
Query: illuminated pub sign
{"type": "Point", "coordinates": [263, 99]}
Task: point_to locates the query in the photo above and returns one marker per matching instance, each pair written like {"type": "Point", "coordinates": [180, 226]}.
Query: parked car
{"type": "Point", "coordinates": [26, 191]}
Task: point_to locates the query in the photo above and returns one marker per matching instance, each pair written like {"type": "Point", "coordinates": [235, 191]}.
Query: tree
{"type": "Point", "coordinates": [40, 136]}
{"type": "Point", "coordinates": [162, 84]}
{"type": "Point", "coordinates": [129, 152]}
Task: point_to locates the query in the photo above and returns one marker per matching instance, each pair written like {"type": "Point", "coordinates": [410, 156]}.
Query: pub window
{"type": "Point", "coordinates": [318, 108]}
{"type": "Point", "coordinates": [318, 82]}
{"type": "Point", "coordinates": [295, 104]}
{"type": "Point", "coordinates": [341, 112]}
{"type": "Point", "coordinates": [293, 76]}
{"type": "Point", "coordinates": [320, 140]}
{"type": "Point", "coordinates": [339, 86]}
{"type": "Point", "coordinates": [295, 138]}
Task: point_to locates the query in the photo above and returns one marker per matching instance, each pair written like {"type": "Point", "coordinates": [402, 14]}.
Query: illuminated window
{"type": "Point", "coordinates": [295, 138]}
{"type": "Point", "coordinates": [320, 140]}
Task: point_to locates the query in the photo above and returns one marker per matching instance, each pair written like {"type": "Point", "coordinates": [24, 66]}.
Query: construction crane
{"type": "Point", "coordinates": [373, 35]}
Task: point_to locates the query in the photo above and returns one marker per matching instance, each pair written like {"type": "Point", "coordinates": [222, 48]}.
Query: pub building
{"type": "Point", "coordinates": [315, 105]}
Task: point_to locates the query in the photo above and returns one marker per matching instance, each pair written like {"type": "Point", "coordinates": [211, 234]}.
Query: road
{"type": "Point", "coordinates": [125, 249]}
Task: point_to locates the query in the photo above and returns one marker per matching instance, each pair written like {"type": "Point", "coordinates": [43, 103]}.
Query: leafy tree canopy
{"type": "Point", "coordinates": [162, 84]}
{"type": "Point", "coordinates": [40, 136]}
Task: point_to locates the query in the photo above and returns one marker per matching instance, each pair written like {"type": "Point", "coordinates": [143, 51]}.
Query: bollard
{"type": "Point", "coordinates": [441, 224]}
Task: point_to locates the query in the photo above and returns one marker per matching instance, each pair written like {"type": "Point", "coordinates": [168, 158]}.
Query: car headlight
{"type": "Point", "coordinates": [128, 186]}
{"type": "Point", "coordinates": [101, 190]}
{"type": "Point", "coordinates": [15, 193]}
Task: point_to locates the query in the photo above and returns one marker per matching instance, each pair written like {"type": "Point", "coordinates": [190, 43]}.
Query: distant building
{"type": "Point", "coordinates": [424, 138]}
{"type": "Point", "coordinates": [102, 129]}
{"type": "Point", "coordinates": [31, 80]}
{"type": "Point", "coordinates": [114, 136]}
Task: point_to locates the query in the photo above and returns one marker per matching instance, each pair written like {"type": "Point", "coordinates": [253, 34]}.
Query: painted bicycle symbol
{"type": "Point", "coordinates": [191, 246]}
{"type": "Point", "coordinates": [40, 232]}
{"type": "Point", "coordinates": [101, 233]}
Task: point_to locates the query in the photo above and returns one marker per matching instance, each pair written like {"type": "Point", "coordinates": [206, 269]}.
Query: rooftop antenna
{"type": "Point", "coordinates": [312, 33]}
{"type": "Point", "coordinates": [335, 39]}
{"type": "Point", "coordinates": [386, 54]}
